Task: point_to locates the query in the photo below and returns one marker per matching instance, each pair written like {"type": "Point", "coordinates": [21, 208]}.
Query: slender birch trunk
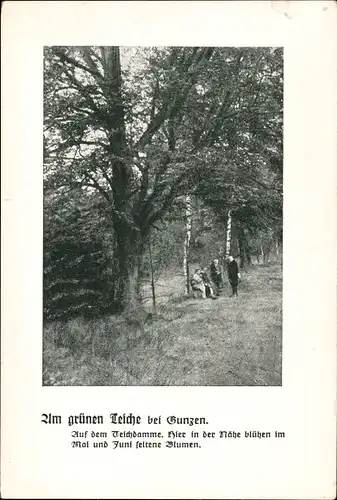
{"type": "Point", "coordinates": [263, 255]}
{"type": "Point", "coordinates": [152, 278]}
{"type": "Point", "coordinates": [188, 215]}
{"type": "Point", "coordinates": [277, 250]}
{"type": "Point", "coordinates": [228, 233]}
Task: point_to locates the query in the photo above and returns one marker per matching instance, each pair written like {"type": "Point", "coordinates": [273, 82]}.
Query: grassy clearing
{"type": "Point", "coordinates": [229, 341]}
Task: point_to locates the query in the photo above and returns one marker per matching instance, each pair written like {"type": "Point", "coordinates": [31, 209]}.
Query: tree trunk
{"type": "Point", "coordinates": [188, 215]}
{"type": "Point", "coordinates": [277, 250]}
{"type": "Point", "coordinates": [247, 251]}
{"type": "Point", "coordinates": [132, 296]}
{"type": "Point", "coordinates": [241, 250]}
{"type": "Point", "coordinates": [152, 278]}
{"type": "Point", "coordinates": [128, 253]}
{"type": "Point", "coordinates": [128, 242]}
{"type": "Point", "coordinates": [228, 233]}
{"type": "Point", "coordinates": [244, 250]}
{"type": "Point", "coordinates": [263, 255]}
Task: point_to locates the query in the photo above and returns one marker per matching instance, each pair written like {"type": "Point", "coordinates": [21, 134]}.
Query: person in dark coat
{"type": "Point", "coordinates": [216, 275]}
{"type": "Point", "coordinates": [233, 275]}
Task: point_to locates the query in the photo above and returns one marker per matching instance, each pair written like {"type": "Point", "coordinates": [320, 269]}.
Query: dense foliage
{"type": "Point", "coordinates": [127, 134]}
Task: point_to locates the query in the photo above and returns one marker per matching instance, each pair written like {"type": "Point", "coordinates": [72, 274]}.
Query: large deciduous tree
{"type": "Point", "coordinates": [97, 137]}
{"type": "Point", "coordinates": [145, 126]}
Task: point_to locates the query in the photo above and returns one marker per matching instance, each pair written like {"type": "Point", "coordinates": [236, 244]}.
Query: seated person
{"type": "Point", "coordinates": [208, 284]}
{"type": "Point", "coordinates": [197, 284]}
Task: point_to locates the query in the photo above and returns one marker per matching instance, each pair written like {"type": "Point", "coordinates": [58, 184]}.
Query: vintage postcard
{"type": "Point", "coordinates": [169, 250]}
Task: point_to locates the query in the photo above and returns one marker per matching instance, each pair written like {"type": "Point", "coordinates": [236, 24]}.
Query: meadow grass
{"type": "Point", "coordinates": [223, 342]}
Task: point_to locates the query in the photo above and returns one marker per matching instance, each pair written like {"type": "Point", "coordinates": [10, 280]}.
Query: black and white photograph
{"type": "Point", "coordinates": [163, 216]}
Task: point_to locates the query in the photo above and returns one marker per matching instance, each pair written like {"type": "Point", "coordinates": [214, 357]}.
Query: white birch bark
{"type": "Point", "coordinates": [228, 233]}
{"type": "Point", "coordinates": [188, 215]}
{"type": "Point", "coordinates": [263, 255]}
{"type": "Point", "coordinates": [153, 289]}
{"type": "Point", "coordinates": [277, 250]}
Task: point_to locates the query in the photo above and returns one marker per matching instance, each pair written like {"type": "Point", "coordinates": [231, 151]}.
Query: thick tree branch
{"type": "Point", "coordinates": [86, 94]}
{"type": "Point", "coordinates": [94, 183]}
{"type": "Point", "coordinates": [74, 62]}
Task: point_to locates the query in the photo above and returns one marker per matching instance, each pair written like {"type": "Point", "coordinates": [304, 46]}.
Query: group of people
{"type": "Point", "coordinates": [210, 286]}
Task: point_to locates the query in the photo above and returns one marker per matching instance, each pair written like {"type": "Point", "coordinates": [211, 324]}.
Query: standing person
{"type": "Point", "coordinates": [216, 275]}
{"type": "Point", "coordinates": [233, 275]}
